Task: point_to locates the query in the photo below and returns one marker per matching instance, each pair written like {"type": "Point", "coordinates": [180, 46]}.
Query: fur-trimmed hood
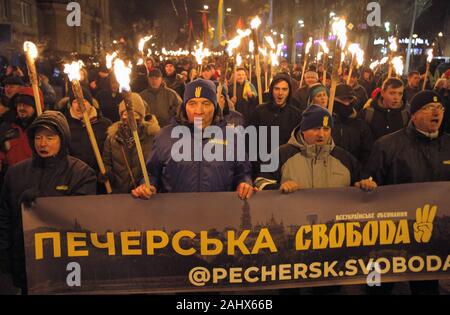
{"type": "Point", "coordinates": [151, 127]}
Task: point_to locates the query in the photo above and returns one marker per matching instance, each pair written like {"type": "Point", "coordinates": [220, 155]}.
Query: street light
{"type": "Point", "coordinates": [206, 7]}
{"type": "Point", "coordinates": [440, 34]}
{"type": "Point", "coordinates": [229, 10]}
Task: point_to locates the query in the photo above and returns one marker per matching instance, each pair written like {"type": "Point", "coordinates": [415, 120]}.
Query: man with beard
{"type": "Point", "coordinates": [14, 146]}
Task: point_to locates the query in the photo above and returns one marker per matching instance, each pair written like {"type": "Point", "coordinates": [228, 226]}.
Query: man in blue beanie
{"type": "Point", "coordinates": [312, 160]}
{"type": "Point", "coordinates": [175, 165]}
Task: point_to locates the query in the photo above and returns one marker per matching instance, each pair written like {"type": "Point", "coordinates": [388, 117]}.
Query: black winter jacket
{"type": "Point", "coordinates": [61, 175]}
{"type": "Point", "coordinates": [408, 156]}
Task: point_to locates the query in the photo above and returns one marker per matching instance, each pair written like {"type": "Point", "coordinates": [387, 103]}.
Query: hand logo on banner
{"type": "Point", "coordinates": [423, 228]}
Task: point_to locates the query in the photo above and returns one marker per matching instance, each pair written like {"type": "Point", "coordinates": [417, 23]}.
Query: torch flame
{"type": "Point", "coordinates": [239, 60]}
{"type": "Point", "coordinates": [353, 49]}
{"type": "Point", "coordinates": [360, 57]}
{"type": "Point", "coordinates": [309, 45]}
{"type": "Point", "coordinates": [122, 73]}
{"type": "Point", "coordinates": [110, 59]}
{"type": "Point", "coordinates": [255, 23]}
{"type": "Point", "coordinates": [280, 49]}
{"type": "Point", "coordinates": [235, 42]}
{"type": "Point", "coordinates": [245, 33]}
{"type": "Point", "coordinates": [430, 55]}
{"type": "Point", "coordinates": [73, 70]}
{"type": "Point", "coordinates": [397, 63]}
{"type": "Point", "coordinates": [374, 64]}
{"type": "Point", "coordinates": [324, 46]}
{"type": "Point", "coordinates": [263, 51]}
{"type": "Point", "coordinates": [140, 62]}
{"type": "Point", "coordinates": [142, 42]}
{"type": "Point", "coordinates": [384, 60]}
{"type": "Point", "coordinates": [274, 59]}
{"type": "Point", "coordinates": [31, 49]}
{"type": "Point", "coordinates": [270, 41]}
{"type": "Point", "coordinates": [319, 55]}
{"type": "Point", "coordinates": [200, 53]}
{"type": "Point", "coordinates": [393, 46]}
{"type": "Point", "coordinates": [340, 30]}
{"type": "Point", "coordinates": [357, 52]}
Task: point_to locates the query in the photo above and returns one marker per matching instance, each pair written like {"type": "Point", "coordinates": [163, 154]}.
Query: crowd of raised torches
{"type": "Point", "coordinates": [268, 48]}
{"type": "Point", "coordinates": [246, 48]}
{"type": "Point", "coordinates": [242, 50]}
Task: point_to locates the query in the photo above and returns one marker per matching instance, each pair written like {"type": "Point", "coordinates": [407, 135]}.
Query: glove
{"type": "Point", "coordinates": [29, 196]}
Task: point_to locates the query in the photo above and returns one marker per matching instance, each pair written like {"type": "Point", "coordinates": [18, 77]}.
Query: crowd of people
{"type": "Point", "coordinates": [382, 131]}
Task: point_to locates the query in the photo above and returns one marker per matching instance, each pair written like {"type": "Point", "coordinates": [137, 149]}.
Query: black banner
{"type": "Point", "coordinates": [216, 242]}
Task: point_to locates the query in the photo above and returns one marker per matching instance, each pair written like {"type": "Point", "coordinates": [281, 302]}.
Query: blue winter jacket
{"type": "Point", "coordinates": [171, 174]}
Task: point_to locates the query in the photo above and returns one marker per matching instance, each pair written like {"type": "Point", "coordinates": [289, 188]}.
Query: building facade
{"type": "Point", "coordinates": [45, 23]}
{"type": "Point", "coordinates": [18, 23]}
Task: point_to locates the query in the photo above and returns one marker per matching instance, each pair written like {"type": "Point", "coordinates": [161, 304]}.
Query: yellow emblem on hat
{"type": "Point", "coordinates": [435, 99]}
{"type": "Point", "coordinates": [198, 92]}
{"type": "Point", "coordinates": [326, 121]}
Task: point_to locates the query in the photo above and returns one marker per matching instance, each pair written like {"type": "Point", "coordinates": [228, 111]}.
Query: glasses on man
{"type": "Point", "coordinates": [433, 107]}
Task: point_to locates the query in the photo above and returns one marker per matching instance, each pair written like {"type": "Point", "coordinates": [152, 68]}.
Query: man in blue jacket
{"type": "Point", "coordinates": [177, 166]}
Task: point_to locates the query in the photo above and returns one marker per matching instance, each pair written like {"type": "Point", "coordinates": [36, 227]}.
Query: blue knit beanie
{"type": "Point", "coordinates": [200, 89]}
{"type": "Point", "coordinates": [316, 117]}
